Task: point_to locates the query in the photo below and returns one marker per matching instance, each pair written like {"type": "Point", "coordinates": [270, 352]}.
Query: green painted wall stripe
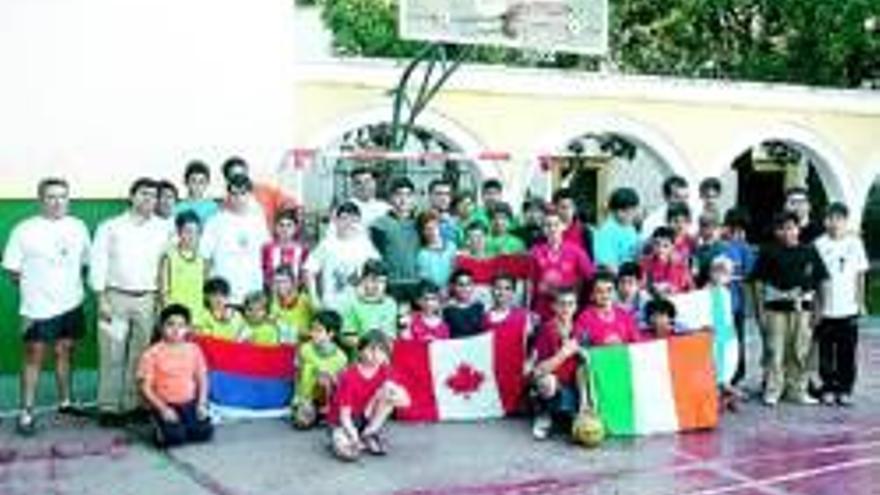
{"type": "Point", "coordinates": [91, 212]}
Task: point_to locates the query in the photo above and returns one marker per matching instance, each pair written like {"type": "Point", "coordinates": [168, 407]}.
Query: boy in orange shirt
{"type": "Point", "coordinates": [173, 379]}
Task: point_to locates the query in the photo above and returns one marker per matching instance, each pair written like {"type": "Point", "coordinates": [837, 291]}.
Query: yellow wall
{"type": "Point", "coordinates": [701, 126]}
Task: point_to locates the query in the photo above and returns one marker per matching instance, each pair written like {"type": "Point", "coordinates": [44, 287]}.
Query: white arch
{"type": "Point", "coordinates": [640, 133]}
{"type": "Point", "coordinates": [866, 177]}
{"type": "Point", "coordinates": [429, 119]}
{"type": "Point", "coordinates": [830, 163]}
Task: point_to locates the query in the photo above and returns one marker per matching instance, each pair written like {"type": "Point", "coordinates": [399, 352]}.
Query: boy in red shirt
{"type": "Point", "coordinates": [555, 263]}
{"type": "Point", "coordinates": [504, 315]}
{"type": "Point", "coordinates": [664, 272]}
{"type": "Point", "coordinates": [174, 381]}
{"type": "Point", "coordinates": [604, 322]}
{"type": "Point", "coordinates": [557, 388]}
{"type": "Point", "coordinates": [426, 324]}
{"type": "Point", "coordinates": [285, 249]}
{"type": "Point", "coordinates": [364, 400]}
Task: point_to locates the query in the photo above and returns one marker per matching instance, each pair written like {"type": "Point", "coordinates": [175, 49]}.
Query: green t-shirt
{"type": "Point", "coordinates": [311, 364]}
{"type": "Point", "coordinates": [361, 316]}
{"type": "Point", "coordinates": [266, 333]}
{"type": "Point", "coordinates": [504, 244]}
{"type": "Point", "coordinates": [227, 328]}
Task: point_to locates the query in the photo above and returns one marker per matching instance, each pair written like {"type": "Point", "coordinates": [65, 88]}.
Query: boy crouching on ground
{"type": "Point", "coordinates": [174, 381]}
{"type": "Point", "coordinates": [320, 362]}
{"type": "Point", "coordinates": [364, 399]}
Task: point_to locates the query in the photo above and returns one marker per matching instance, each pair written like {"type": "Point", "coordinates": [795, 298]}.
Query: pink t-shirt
{"type": "Point", "coordinates": [673, 274]}
{"type": "Point", "coordinates": [618, 327]}
{"type": "Point", "coordinates": [421, 331]}
{"type": "Point", "coordinates": [551, 269]}
{"type": "Point", "coordinates": [515, 319]}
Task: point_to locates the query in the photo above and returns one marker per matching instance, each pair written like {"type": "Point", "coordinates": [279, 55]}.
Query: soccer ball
{"type": "Point", "coordinates": [304, 416]}
{"type": "Point", "coordinates": [587, 430]}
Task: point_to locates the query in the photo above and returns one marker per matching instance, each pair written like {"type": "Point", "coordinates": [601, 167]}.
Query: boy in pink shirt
{"type": "Point", "coordinates": [555, 264]}
{"type": "Point", "coordinates": [426, 324]}
{"type": "Point", "coordinates": [284, 249]}
{"type": "Point", "coordinates": [604, 322]}
{"type": "Point", "coordinates": [664, 272]}
{"type": "Point", "coordinates": [503, 315]}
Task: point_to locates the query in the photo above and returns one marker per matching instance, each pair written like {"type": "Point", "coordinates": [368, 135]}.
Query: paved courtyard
{"type": "Point", "coordinates": [794, 450]}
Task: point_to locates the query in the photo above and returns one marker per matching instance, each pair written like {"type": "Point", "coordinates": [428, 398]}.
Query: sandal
{"type": "Point", "coordinates": [375, 444]}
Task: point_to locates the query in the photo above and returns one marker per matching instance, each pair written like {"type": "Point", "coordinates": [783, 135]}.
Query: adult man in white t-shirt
{"type": "Point", "coordinates": [45, 256]}
{"type": "Point", "coordinates": [124, 275]}
{"type": "Point", "coordinates": [337, 260]}
{"type": "Point", "coordinates": [363, 194]}
{"type": "Point", "coordinates": [233, 240]}
{"type": "Point", "coordinates": [843, 299]}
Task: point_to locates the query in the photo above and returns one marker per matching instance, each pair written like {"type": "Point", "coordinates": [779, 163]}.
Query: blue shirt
{"type": "Point", "coordinates": [203, 208]}
{"type": "Point", "coordinates": [743, 257]}
{"type": "Point", "coordinates": [615, 243]}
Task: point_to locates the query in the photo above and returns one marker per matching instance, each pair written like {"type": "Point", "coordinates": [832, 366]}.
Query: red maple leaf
{"type": "Point", "coordinates": [465, 380]}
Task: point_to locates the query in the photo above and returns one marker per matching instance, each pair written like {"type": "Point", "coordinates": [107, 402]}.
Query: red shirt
{"type": "Point", "coordinates": [619, 328]}
{"type": "Point", "coordinates": [674, 273]}
{"type": "Point", "coordinates": [354, 390]}
{"type": "Point", "coordinates": [552, 269]}
{"type": "Point", "coordinates": [549, 342]}
{"type": "Point", "coordinates": [574, 234]}
{"type": "Point", "coordinates": [275, 255]}
{"type": "Point", "coordinates": [423, 332]}
{"type": "Point", "coordinates": [685, 245]}
{"type": "Point", "coordinates": [516, 318]}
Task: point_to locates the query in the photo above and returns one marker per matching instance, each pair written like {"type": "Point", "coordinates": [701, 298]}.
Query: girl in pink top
{"type": "Point", "coordinates": [604, 322]}
{"type": "Point", "coordinates": [427, 323]}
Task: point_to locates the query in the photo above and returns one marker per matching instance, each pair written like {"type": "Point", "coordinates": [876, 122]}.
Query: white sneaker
{"type": "Point", "coordinates": [541, 426]}
{"type": "Point", "coordinates": [770, 401]}
{"type": "Point", "coordinates": [805, 399]}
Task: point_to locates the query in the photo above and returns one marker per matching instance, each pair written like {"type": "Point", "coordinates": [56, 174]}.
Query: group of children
{"type": "Point", "coordinates": [479, 269]}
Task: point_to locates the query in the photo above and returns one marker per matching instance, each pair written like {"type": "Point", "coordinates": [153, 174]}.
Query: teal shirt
{"type": "Point", "coordinates": [203, 208]}
{"type": "Point", "coordinates": [615, 244]}
{"type": "Point", "coordinates": [398, 241]}
{"type": "Point", "coordinates": [435, 265]}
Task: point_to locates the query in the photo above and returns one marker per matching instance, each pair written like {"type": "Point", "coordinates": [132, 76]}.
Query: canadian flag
{"type": "Point", "coordinates": [463, 379]}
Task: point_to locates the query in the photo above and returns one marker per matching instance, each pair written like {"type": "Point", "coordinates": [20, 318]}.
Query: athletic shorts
{"type": "Point", "coordinates": [69, 325]}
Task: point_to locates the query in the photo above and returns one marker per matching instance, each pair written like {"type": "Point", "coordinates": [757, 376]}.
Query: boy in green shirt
{"type": "Point", "coordinates": [369, 309]}
{"type": "Point", "coordinates": [319, 362]}
{"type": "Point", "coordinates": [259, 327]}
{"type": "Point", "coordinates": [291, 307]}
{"type": "Point", "coordinates": [500, 240]}
{"type": "Point", "coordinates": [217, 318]}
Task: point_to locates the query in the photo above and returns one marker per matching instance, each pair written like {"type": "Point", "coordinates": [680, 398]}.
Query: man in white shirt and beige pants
{"type": "Point", "coordinates": [124, 275]}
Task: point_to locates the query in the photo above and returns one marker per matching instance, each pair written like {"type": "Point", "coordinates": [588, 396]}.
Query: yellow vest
{"type": "Point", "coordinates": [184, 280]}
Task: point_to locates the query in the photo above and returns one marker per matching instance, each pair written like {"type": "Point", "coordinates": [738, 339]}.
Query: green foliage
{"type": "Point", "coordinates": [814, 42]}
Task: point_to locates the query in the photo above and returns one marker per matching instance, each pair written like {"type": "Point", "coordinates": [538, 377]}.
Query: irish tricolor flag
{"type": "Point", "coordinates": [655, 387]}
{"type": "Point", "coordinates": [464, 379]}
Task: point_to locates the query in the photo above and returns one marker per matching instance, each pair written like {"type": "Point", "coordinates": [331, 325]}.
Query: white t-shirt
{"type": "Point", "coordinates": [232, 244]}
{"type": "Point", "coordinates": [126, 253]}
{"type": "Point", "coordinates": [337, 262]}
{"type": "Point", "coordinates": [845, 260]}
{"type": "Point", "coordinates": [371, 210]}
{"type": "Point", "coordinates": [49, 256]}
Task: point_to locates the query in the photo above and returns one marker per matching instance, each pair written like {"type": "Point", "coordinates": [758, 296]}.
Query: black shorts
{"type": "Point", "coordinates": [69, 325]}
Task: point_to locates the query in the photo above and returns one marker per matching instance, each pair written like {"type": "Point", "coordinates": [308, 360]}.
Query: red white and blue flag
{"type": "Point", "coordinates": [474, 378]}
{"type": "Point", "coordinates": [247, 380]}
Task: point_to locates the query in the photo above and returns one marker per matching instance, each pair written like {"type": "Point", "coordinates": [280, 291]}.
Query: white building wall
{"type": "Point", "coordinates": [103, 91]}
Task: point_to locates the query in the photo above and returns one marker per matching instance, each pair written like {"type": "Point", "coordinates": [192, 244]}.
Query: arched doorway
{"type": "Point", "coordinates": [760, 175]}
{"type": "Point", "coordinates": [870, 229]}
{"type": "Point", "coordinates": [617, 151]}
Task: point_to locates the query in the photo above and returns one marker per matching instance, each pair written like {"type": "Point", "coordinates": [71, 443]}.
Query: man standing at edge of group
{"type": "Point", "coordinates": [45, 257]}
{"type": "Point", "coordinates": [124, 275]}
